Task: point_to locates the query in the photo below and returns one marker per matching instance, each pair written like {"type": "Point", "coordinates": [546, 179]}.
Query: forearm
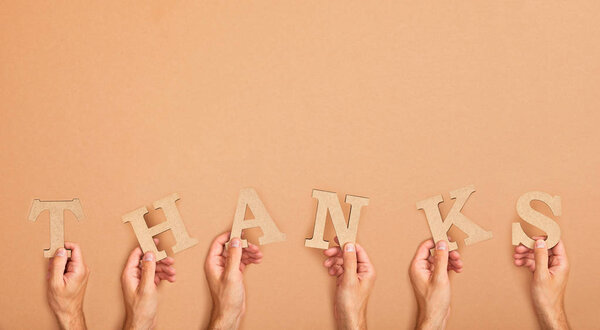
{"type": "Point", "coordinates": [223, 320]}
{"type": "Point", "coordinates": [429, 321]}
{"type": "Point", "coordinates": [427, 324]}
{"type": "Point", "coordinates": [71, 321]}
{"type": "Point", "coordinates": [360, 324]}
{"type": "Point", "coordinates": [137, 322]}
{"type": "Point", "coordinates": [356, 321]}
{"type": "Point", "coordinates": [553, 319]}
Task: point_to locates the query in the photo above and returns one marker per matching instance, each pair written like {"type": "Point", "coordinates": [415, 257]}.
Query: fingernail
{"type": "Point", "coordinates": [235, 243]}
{"type": "Point", "coordinates": [149, 256]}
{"type": "Point", "coordinates": [540, 244]}
{"type": "Point", "coordinates": [61, 252]}
{"type": "Point", "coordinates": [349, 247]}
{"type": "Point", "coordinates": [441, 245]}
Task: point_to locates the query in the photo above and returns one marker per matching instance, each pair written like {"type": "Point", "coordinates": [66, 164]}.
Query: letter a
{"type": "Point", "coordinates": [57, 220]}
{"type": "Point", "coordinates": [174, 223]}
{"type": "Point", "coordinates": [328, 202]}
{"type": "Point", "coordinates": [271, 234]}
{"type": "Point", "coordinates": [440, 228]}
{"type": "Point", "coordinates": [528, 214]}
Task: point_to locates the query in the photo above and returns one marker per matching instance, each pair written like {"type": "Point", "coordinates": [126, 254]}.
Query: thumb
{"type": "Point", "coordinates": [148, 269]}
{"type": "Point", "coordinates": [541, 258]}
{"type": "Point", "coordinates": [234, 256]}
{"type": "Point", "coordinates": [57, 265]}
{"type": "Point", "coordinates": [349, 263]}
{"type": "Point", "coordinates": [440, 261]}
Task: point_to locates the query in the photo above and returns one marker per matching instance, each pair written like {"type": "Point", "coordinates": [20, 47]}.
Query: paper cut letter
{"type": "Point", "coordinates": [57, 225]}
{"type": "Point", "coordinates": [528, 214]}
{"type": "Point", "coordinates": [328, 202]}
{"type": "Point", "coordinates": [440, 228]}
{"type": "Point", "coordinates": [174, 223]}
{"type": "Point", "coordinates": [271, 234]}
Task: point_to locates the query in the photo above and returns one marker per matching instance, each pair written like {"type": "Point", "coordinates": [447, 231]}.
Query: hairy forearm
{"type": "Point", "coordinates": [352, 322]}
{"type": "Point", "coordinates": [223, 320]}
{"type": "Point", "coordinates": [425, 321]}
{"type": "Point", "coordinates": [553, 319]}
{"type": "Point", "coordinates": [134, 321]}
{"type": "Point", "coordinates": [71, 321]}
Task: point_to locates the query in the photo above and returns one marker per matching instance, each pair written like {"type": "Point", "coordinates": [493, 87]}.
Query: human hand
{"type": "Point", "coordinates": [140, 287]}
{"type": "Point", "coordinates": [355, 278]}
{"type": "Point", "coordinates": [550, 270]}
{"type": "Point", "coordinates": [224, 272]}
{"type": "Point", "coordinates": [67, 280]}
{"type": "Point", "coordinates": [431, 283]}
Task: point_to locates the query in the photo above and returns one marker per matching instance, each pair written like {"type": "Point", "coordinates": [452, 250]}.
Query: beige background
{"type": "Point", "coordinates": [120, 104]}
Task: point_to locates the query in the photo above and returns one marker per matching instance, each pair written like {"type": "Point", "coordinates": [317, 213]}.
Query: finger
{"type": "Point", "coordinates": [524, 256]}
{"type": "Point", "coordinates": [365, 267]}
{"type": "Point", "coordinates": [529, 264]}
{"type": "Point", "coordinates": [133, 261]}
{"type": "Point", "coordinates": [234, 256]}
{"type": "Point", "coordinates": [559, 249]}
{"type": "Point", "coordinates": [457, 269]}
{"type": "Point", "coordinates": [218, 245]}
{"type": "Point", "coordinates": [333, 261]}
{"type": "Point", "coordinates": [75, 265]}
{"type": "Point", "coordinates": [76, 255]}
{"type": "Point", "coordinates": [336, 240]}
{"type": "Point", "coordinates": [454, 255]}
{"type": "Point", "coordinates": [165, 277]}
{"type": "Point", "coordinates": [58, 264]}
{"type": "Point", "coordinates": [160, 268]}
{"type": "Point", "coordinates": [252, 255]}
{"type": "Point", "coordinates": [349, 262]}
{"type": "Point", "coordinates": [422, 252]}
{"type": "Point", "coordinates": [148, 271]}
{"type": "Point", "coordinates": [252, 248]}
{"type": "Point", "coordinates": [541, 258]}
{"type": "Point", "coordinates": [361, 255]}
{"type": "Point", "coordinates": [167, 261]}
{"type": "Point", "coordinates": [335, 270]}
{"type": "Point", "coordinates": [522, 249]}
{"type": "Point", "coordinates": [440, 261]}
{"type": "Point", "coordinates": [456, 263]}
{"type": "Point", "coordinates": [333, 251]}
{"type": "Point", "coordinates": [254, 261]}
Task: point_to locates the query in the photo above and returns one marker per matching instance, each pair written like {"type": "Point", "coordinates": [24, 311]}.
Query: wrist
{"type": "Point", "coordinates": [553, 318]}
{"type": "Point", "coordinates": [133, 321]}
{"type": "Point", "coordinates": [426, 324]}
{"type": "Point", "coordinates": [72, 320]}
{"type": "Point", "coordinates": [429, 321]}
{"type": "Point", "coordinates": [353, 321]}
{"type": "Point", "coordinates": [224, 319]}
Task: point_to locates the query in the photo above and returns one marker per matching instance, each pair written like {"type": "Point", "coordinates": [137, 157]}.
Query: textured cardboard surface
{"type": "Point", "coordinates": [119, 103]}
{"type": "Point", "coordinates": [345, 231]}
{"type": "Point", "coordinates": [439, 228]}
{"type": "Point", "coordinates": [56, 210]}
{"type": "Point", "coordinates": [174, 223]}
{"type": "Point", "coordinates": [249, 199]}
{"type": "Point", "coordinates": [537, 219]}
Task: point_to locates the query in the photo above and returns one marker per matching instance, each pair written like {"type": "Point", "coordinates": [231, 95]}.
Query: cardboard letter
{"type": "Point", "coordinates": [528, 214]}
{"type": "Point", "coordinates": [174, 223]}
{"type": "Point", "coordinates": [271, 234]}
{"type": "Point", "coordinates": [328, 202]}
{"type": "Point", "coordinates": [57, 225]}
{"type": "Point", "coordinates": [440, 228]}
